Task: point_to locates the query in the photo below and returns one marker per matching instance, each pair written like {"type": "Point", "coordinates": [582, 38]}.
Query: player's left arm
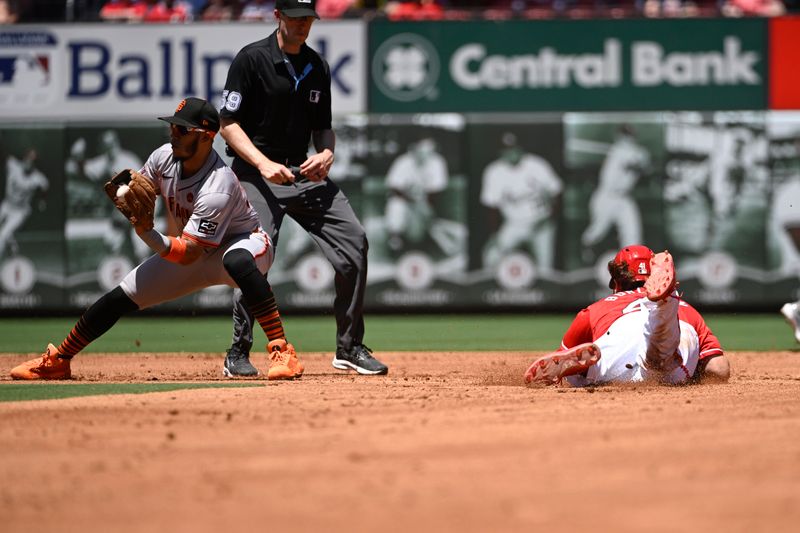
{"type": "Point", "coordinates": [579, 332]}
{"type": "Point", "coordinates": [202, 234]}
{"type": "Point", "coordinates": [181, 250]}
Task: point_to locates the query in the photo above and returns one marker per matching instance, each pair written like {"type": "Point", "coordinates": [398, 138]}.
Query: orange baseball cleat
{"type": "Point", "coordinates": [283, 361]}
{"type": "Point", "coordinates": [295, 365]}
{"type": "Point", "coordinates": [662, 278]}
{"type": "Point", "coordinates": [554, 367]}
{"type": "Point", "coordinates": [48, 366]}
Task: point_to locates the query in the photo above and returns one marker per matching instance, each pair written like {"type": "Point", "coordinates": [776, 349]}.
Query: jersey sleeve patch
{"type": "Point", "coordinates": [207, 227]}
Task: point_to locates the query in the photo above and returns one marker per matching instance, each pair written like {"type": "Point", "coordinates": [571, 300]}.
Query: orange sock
{"type": "Point", "coordinates": [266, 313]}
{"type": "Point", "coordinates": [77, 340]}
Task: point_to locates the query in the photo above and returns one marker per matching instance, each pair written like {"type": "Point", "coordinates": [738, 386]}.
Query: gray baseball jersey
{"type": "Point", "coordinates": [209, 208]}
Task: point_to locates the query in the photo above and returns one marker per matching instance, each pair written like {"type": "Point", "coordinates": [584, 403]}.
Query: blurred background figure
{"type": "Point", "coordinates": [333, 9]}
{"type": "Point", "coordinates": [260, 11]}
{"type": "Point", "coordinates": [612, 205]}
{"type": "Point", "coordinates": [521, 188]}
{"type": "Point", "coordinates": [167, 11]}
{"type": "Point", "coordinates": [123, 11]}
{"type": "Point", "coordinates": [8, 12]}
{"type": "Point", "coordinates": [23, 182]}
{"type": "Point", "coordinates": [220, 11]}
{"type": "Point", "coordinates": [753, 8]}
{"type": "Point", "coordinates": [415, 10]}
{"type": "Point", "coordinates": [112, 158]}
{"type": "Point", "coordinates": [413, 181]}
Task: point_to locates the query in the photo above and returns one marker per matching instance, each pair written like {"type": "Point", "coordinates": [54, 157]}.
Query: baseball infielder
{"type": "Point", "coordinates": [220, 242]}
{"type": "Point", "coordinates": [23, 180]}
{"type": "Point", "coordinates": [521, 187]}
{"type": "Point", "coordinates": [642, 331]}
{"type": "Point", "coordinates": [611, 204]}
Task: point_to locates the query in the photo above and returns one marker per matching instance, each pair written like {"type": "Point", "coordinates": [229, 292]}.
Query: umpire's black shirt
{"type": "Point", "coordinates": [278, 99]}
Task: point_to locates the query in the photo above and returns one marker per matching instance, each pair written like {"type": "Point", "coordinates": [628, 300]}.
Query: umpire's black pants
{"type": "Point", "coordinates": [325, 213]}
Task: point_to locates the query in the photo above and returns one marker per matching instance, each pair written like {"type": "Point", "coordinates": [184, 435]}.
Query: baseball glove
{"type": "Point", "coordinates": [135, 197]}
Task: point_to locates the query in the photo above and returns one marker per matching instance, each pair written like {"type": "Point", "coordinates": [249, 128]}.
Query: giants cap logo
{"type": "Point", "coordinates": [180, 105]}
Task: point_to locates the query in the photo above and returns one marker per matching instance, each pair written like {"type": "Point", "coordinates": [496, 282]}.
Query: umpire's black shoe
{"type": "Point", "coordinates": [237, 364]}
{"type": "Point", "coordinates": [358, 358]}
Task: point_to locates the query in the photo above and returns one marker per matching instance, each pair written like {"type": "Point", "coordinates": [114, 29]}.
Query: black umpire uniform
{"type": "Point", "coordinates": [279, 100]}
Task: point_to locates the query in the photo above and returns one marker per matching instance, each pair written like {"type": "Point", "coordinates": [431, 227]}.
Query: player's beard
{"type": "Point", "coordinates": [185, 150]}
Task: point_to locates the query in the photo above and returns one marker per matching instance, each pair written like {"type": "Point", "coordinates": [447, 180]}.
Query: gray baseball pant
{"type": "Point", "coordinates": [324, 211]}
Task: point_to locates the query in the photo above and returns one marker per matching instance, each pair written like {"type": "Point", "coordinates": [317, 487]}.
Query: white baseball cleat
{"type": "Point", "coordinates": [790, 313]}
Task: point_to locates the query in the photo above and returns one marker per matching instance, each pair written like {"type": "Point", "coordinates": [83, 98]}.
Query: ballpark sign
{"type": "Point", "coordinates": [90, 72]}
{"type": "Point", "coordinates": [568, 65]}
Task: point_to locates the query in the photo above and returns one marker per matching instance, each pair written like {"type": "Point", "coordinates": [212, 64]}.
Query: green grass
{"type": "Point", "coordinates": [758, 332]}
{"type": "Point", "coordinates": [17, 392]}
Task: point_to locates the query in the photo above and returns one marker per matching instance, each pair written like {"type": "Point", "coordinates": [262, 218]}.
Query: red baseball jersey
{"type": "Point", "coordinates": [593, 321]}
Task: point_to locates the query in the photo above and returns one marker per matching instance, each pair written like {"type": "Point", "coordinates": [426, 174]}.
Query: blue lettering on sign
{"type": "Point", "coordinates": [94, 71]}
{"type": "Point", "coordinates": [25, 39]}
{"type": "Point", "coordinates": [166, 65]}
{"type": "Point", "coordinates": [336, 65]}
{"type": "Point", "coordinates": [81, 66]}
{"type": "Point", "coordinates": [137, 82]}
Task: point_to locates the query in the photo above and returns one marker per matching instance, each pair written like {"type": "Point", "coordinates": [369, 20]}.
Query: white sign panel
{"type": "Point", "coordinates": [87, 72]}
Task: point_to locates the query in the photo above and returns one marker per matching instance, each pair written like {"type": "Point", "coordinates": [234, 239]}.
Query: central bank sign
{"type": "Point", "coordinates": [563, 66]}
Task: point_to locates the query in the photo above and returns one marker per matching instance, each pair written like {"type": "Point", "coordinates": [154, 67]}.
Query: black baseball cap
{"type": "Point", "coordinates": [297, 8]}
{"type": "Point", "coordinates": [195, 113]}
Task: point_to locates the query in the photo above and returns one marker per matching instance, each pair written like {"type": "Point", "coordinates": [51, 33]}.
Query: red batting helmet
{"type": "Point", "coordinates": [636, 258]}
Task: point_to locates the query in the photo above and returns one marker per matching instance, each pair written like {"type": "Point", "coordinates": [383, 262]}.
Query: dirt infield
{"type": "Point", "coordinates": [446, 442]}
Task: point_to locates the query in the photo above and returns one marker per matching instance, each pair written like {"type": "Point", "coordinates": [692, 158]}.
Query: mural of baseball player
{"type": "Point", "coordinates": [111, 158]}
{"type": "Point", "coordinates": [643, 331]}
{"type": "Point", "coordinates": [738, 179]}
{"type": "Point", "coordinates": [522, 188]}
{"type": "Point", "coordinates": [611, 204]}
{"type": "Point", "coordinates": [414, 180]}
{"type": "Point", "coordinates": [23, 182]}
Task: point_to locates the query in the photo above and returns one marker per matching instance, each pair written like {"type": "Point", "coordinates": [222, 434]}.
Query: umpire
{"type": "Point", "coordinates": [277, 97]}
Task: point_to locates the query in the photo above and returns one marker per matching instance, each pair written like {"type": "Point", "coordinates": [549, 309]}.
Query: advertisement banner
{"type": "Point", "coordinates": [32, 248]}
{"type": "Point", "coordinates": [88, 72]}
{"type": "Point", "coordinates": [591, 65]}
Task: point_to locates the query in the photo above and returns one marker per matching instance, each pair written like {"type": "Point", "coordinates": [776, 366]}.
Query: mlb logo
{"type": "Point", "coordinates": [313, 97]}
{"type": "Point", "coordinates": [28, 67]}
{"type": "Point", "coordinates": [25, 70]}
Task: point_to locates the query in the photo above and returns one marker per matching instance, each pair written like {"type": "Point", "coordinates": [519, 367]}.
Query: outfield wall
{"type": "Point", "coordinates": [679, 134]}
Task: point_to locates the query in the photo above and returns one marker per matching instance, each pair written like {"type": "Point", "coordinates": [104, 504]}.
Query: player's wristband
{"type": "Point", "coordinates": [156, 241]}
{"type": "Point", "coordinates": [177, 250]}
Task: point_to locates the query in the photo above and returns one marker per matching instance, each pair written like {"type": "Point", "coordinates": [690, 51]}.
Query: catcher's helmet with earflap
{"type": "Point", "coordinates": [630, 267]}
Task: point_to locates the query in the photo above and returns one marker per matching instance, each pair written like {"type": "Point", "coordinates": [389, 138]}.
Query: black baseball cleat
{"type": "Point", "coordinates": [358, 358]}
{"type": "Point", "coordinates": [237, 364]}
